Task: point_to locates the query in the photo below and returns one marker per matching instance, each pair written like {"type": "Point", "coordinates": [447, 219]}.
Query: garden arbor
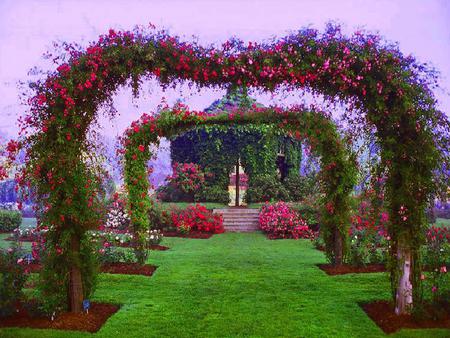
{"type": "Point", "coordinates": [338, 174]}
{"type": "Point", "coordinates": [388, 94]}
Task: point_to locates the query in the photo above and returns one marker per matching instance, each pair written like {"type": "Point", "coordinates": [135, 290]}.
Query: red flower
{"type": "Point", "coordinates": [141, 148]}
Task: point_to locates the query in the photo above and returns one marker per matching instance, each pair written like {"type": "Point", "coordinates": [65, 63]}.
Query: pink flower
{"type": "Point", "coordinates": [422, 277]}
{"type": "Point", "coordinates": [434, 288]}
{"type": "Point", "coordinates": [141, 148]}
{"type": "Point", "coordinates": [443, 269]}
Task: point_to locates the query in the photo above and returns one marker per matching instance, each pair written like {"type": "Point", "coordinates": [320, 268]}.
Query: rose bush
{"type": "Point", "coordinates": [197, 218]}
{"type": "Point", "coordinates": [279, 220]}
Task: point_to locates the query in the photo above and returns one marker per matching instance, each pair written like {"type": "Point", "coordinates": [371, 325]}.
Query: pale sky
{"type": "Point", "coordinates": [28, 28]}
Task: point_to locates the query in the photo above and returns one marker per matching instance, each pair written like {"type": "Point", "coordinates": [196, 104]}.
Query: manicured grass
{"type": "Point", "coordinates": [238, 285]}
{"type": "Point", "coordinates": [443, 222]}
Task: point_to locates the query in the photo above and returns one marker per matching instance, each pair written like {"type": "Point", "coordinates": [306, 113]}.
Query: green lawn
{"type": "Point", "coordinates": [238, 285]}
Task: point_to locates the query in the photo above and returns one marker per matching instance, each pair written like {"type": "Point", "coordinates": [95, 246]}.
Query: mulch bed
{"type": "Point", "coordinates": [192, 234]}
{"type": "Point", "coordinates": [114, 268]}
{"type": "Point", "coordinates": [128, 269]}
{"type": "Point", "coordinates": [345, 269]}
{"type": "Point", "coordinates": [382, 313]}
{"type": "Point", "coordinates": [158, 247]}
{"type": "Point", "coordinates": [90, 322]}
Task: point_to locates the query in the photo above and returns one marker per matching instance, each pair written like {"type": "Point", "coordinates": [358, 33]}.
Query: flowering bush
{"type": "Point", "coordinates": [436, 258]}
{"type": "Point", "coordinates": [279, 220]}
{"type": "Point", "coordinates": [29, 233]}
{"type": "Point", "coordinates": [369, 241]}
{"type": "Point", "coordinates": [13, 277]}
{"type": "Point", "coordinates": [117, 217]}
{"type": "Point", "coordinates": [154, 237]}
{"type": "Point", "coordinates": [197, 218]}
{"type": "Point", "coordinates": [188, 177]}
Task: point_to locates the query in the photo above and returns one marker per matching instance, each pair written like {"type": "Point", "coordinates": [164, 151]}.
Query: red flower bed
{"type": "Point", "coordinates": [280, 221]}
{"type": "Point", "coordinates": [197, 218]}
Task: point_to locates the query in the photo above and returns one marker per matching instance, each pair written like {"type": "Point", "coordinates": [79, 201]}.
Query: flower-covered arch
{"type": "Point", "coordinates": [338, 174]}
{"type": "Point", "coordinates": [388, 94]}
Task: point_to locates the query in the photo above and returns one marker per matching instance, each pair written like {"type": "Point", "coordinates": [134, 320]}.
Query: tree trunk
{"type": "Point", "coordinates": [337, 247]}
{"type": "Point", "coordinates": [403, 297]}
{"type": "Point", "coordinates": [237, 184]}
{"type": "Point", "coordinates": [75, 281]}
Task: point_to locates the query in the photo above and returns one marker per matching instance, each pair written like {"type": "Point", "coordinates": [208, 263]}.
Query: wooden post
{"type": "Point", "coordinates": [337, 247]}
{"type": "Point", "coordinates": [75, 281]}
{"type": "Point", "coordinates": [403, 297]}
{"type": "Point", "coordinates": [237, 184]}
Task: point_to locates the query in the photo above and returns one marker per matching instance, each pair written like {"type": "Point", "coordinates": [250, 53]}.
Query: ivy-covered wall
{"type": "Point", "coordinates": [217, 149]}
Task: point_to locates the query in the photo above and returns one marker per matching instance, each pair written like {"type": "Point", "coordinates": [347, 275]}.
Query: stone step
{"type": "Point", "coordinates": [240, 217]}
{"type": "Point", "coordinates": [236, 211]}
{"type": "Point", "coordinates": [241, 223]}
{"type": "Point", "coordinates": [241, 229]}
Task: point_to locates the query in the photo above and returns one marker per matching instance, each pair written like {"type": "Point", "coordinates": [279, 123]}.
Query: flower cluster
{"type": "Point", "coordinates": [197, 218]}
{"type": "Point", "coordinates": [117, 217]}
{"type": "Point", "coordinates": [436, 257]}
{"type": "Point", "coordinates": [188, 177]}
{"type": "Point", "coordinates": [279, 220]}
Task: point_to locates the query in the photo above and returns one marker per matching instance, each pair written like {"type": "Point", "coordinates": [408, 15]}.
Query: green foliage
{"type": "Point", "coordinates": [112, 254]}
{"type": "Point", "coordinates": [12, 279]}
{"type": "Point", "coordinates": [301, 187]}
{"type": "Point", "coordinates": [307, 212]}
{"type": "Point", "coordinates": [217, 148]}
{"type": "Point", "coordinates": [266, 188]}
{"type": "Point", "coordinates": [10, 220]}
{"type": "Point", "coordinates": [171, 193]}
{"type": "Point", "coordinates": [213, 194]}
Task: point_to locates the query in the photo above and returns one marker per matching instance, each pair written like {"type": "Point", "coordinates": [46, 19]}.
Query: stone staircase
{"type": "Point", "coordinates": [239, 219]}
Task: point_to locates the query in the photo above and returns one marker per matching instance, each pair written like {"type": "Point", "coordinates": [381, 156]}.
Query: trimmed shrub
{"type": "Point", "coordinates": [213, 194]}
{"type": "Point", "coordinates": [10, 220]}
{"type": "Point", "coordinates": [300, 187]}
{"type": "Point", "coordinates": [266, 188]}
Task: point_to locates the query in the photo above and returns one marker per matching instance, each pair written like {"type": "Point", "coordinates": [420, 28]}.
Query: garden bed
{"type": "Point", "coordinates": [91, 322]}
{"type": "Point", "coordinates": [128, 269]}
{"type": "Point", "coordinates": [114, 268]}
{"type": "Point", "coordinates": [345, 269]}
{"type": "Point", "coordinates": [192, 234]}
{"type": "Point", "coordinates": [382, 313]}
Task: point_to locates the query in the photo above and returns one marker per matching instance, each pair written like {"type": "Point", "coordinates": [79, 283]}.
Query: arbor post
{"type": "Point", "coordinates": [75, 290]}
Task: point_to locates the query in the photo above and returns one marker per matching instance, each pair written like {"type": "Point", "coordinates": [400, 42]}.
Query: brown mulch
{"type": "Point", "coordinates": [114, 268]}
{"type": "Point", "coordinates": [345, 269]}
{"type": "Point", "coordinates": [192, 234]}
{"type": "Point", "coordinates": [90, 322]}
{"type": "Point", "coordinates": [382, 313]}
{"type": "Point", "coordinates": [128, 269]}
{"type": "Point", "coordinates": [158, 247]}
